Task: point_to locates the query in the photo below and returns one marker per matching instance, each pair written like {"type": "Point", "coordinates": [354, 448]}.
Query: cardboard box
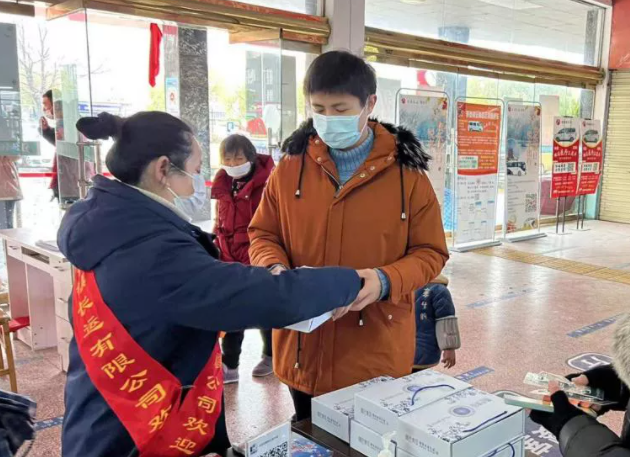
{"type": "Point", "coordinates": [465, 424]}
{"type": "Point", "coordinates": [379, 408]}
{"type": "Point", "coordinates": [368, 442]}
{"type": "Point", "coordinates": [276, 441]}
{"type": "Point", "coordinates": [514, 449]}
{"type": "Point", "coordinates": [333, 412]}
{"type": "Point", "coordinates": [309, 325]}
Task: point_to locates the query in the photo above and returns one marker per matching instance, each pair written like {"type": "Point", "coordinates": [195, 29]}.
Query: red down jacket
{"type": "Point", "coordinates": [235, 209]}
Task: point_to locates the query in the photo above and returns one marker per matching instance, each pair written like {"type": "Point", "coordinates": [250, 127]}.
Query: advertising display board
{"type": "Point", "coordinates": [566, 156]}
{"type": "Point", "coordinates": [478, 139]}
{"type": "Point", "coordinates": [522, 160]}
{"type": "Point", "coordinates": [592, 156]}
{"type": "Point", "coordinates": [427, 117]}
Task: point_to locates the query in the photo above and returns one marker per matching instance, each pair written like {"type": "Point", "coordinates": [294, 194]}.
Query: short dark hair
{"type": "Point", "coordinates": [340, 72]}
{"type": "Point", "coordinates": [235, 143]}
{"type": "Point", "coordinates": [49, 95]}
{"type": "Point", "coordinates": [139, 140]}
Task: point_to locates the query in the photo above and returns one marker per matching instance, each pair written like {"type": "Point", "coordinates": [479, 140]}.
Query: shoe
{"type": "Point", "coordinates": [264, 367]}
{"type": "Point", "coordinates": [230, 375]}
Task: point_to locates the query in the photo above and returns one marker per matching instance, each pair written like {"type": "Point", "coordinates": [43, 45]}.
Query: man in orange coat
{"type": "Point", "coordinates": [350, 192]}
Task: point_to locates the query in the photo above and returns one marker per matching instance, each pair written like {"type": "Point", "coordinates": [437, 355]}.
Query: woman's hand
{"type": "Point", "coordinates": [563, 411]}
{"type": "Point", "coordinates": [371, 291]}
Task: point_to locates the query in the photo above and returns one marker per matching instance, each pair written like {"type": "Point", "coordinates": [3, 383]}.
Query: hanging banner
{"type": "Point", "coordinates": [592, 156]}
{"type": "Point", "coordinates": [427, 118]}
{"type": "Point", "coordinates": [566, 156]}
{"type": "Point", "coordinates": [478, 138]}
{"type": "Point", "coordinates": [522, 160]}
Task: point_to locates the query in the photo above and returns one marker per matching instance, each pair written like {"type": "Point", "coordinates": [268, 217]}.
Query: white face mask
{"type": "Point", "coordinates": [192, 203]}
{"type": "Point", "coordinates": [238, 171]}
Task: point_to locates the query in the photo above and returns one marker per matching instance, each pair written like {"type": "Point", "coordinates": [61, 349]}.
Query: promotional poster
{"type": "Point", "coordinates": [592, 156]}
{"type": "Point", "coordinates": [427, 118]}
{"type": "Point", "coordinates": [522, 166]}
{"type": "Point", "coordinates": [478, 139]}
{"type": "Point", "coordinates": [566, 156]}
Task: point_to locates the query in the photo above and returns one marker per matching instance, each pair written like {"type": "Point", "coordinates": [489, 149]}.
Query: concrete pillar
{"type": "Point", "coordinates": [186, 68]}
{"type": "Point", "coordinates": [347, 21]}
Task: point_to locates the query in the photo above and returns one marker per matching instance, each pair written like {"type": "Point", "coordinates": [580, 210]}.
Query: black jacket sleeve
{"type": "Point", "coordinates": [615, 389]}
{"type": "Point", "coordinates": [49, 135]}
{"type": "Point", "coordinates": [583, 436]}
{"type": "Point", "coordinates": [211, 295]}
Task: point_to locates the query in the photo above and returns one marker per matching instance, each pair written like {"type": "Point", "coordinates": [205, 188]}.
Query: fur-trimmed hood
{"type": "Point", "coordinates": [411, 154]}
{"type": "Point", "coordinates": [621, 349]}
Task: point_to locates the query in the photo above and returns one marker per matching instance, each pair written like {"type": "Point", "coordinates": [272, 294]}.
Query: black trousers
{"type": "Point", "coordinates": [302, 404]}
{"type": "Point", "coordinates": [233, 342]}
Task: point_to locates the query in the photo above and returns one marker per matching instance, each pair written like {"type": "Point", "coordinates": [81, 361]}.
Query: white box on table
{"type": "Point", "coordinates": [379, 408]}
{"type": "Point", "coordinates": [514, 449]}
{"type": "Point", "coordinates": [368, 442]}
{"type": "Point", "coordinates": [333, 411]}
{"type": "Point", "coordinates": [468, 423]}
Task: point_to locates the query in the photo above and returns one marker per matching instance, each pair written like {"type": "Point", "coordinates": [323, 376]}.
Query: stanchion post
{"type": "Point", "coordinates": [564, 214]}
{"type": "Point", "coordinates": [583, 210]}
{"type": "Point", "coordinates": [557, 215]}
{"type": "Point", "coordinates": [579, 209]}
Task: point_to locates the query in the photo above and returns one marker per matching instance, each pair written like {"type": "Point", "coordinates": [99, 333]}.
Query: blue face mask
{"type": "Point", "coordinates": [339, 132]}
{"type": "Point", "coordinates": [193, 203]}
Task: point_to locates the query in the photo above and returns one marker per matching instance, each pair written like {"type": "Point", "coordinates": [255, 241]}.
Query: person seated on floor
{"type": "Point", "coordinates": [145, 375]}
{"type": "Point", "coordinates": [581, 435]}
{"type": "Point", "coordinates": [437, 330]}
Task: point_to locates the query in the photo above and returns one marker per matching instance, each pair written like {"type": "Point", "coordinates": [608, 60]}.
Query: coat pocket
{"type": "Point", "coordinates": [394, 314]}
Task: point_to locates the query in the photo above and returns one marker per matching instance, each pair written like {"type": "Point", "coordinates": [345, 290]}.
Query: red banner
{"type": "Point", "coordinates": [592, 157]}
{"type": "Point", "coordinates": [566, 157]}
{"type": "Point", "coordinates": [478, 136]}
{"type": "Point", "coordinates": [144, 395]}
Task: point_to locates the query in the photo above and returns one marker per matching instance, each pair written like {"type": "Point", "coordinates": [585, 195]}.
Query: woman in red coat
{"type": "Point", "coordinates": [238, 188]}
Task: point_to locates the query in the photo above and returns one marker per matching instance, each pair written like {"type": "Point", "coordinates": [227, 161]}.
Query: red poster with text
{"type": "Point", "coordinates": [592, 157]}
{"type": "Point", "coordinates": [478, 137]}
{"type": "Point", "coordinates": [566, 157]}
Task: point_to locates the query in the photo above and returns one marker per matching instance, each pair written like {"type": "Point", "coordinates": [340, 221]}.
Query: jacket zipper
{"type": "Point", "coordinates": [336, 181]}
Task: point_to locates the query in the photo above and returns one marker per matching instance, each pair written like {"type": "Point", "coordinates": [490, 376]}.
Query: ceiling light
{"type": "Point", "coordinates": [513, 4]}
{"type": "Point", "coordinates": [413, 2]}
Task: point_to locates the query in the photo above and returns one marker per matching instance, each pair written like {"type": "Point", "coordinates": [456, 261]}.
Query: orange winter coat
{"type": "Point", "coordinates": [386, 216]}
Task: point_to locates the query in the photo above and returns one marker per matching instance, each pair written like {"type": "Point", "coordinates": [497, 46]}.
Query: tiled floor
{"type": "Point", "coordinates": [515, 318]}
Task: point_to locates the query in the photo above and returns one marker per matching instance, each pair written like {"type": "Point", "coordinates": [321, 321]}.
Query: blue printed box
{"type": "Point", "coordinates": [468, 423]}
{"type": "Point", "coordinates": [379, 408]}
{"type": "Point", "coordinates": [333, 412]}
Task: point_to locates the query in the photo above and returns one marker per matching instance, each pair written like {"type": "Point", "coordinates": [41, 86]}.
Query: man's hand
{"type": "Point", "coordinates": [449, 359]}
{"type": "Point", "coordinates": [43, 123]}
{"type": "Point", "coordinates": [340, 312]}
{"type": "Point", "coordinates": [370, 292]}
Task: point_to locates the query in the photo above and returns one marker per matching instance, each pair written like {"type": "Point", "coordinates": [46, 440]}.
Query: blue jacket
{"type": "Point", "coordinates": [173, 298]}
{"type": "Point", "coordinates": [433, 302]}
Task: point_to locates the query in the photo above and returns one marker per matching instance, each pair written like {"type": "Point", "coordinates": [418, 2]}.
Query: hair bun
{"type": "Point", "coordinates": [102, 127]}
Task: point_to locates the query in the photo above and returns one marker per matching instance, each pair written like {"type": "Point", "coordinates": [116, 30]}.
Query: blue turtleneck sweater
{"type": "Point", "coordinates": [347, 163]}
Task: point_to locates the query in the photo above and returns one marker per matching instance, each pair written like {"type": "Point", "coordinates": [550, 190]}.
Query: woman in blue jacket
{"type": "Point", "coordinates": [150, 298]}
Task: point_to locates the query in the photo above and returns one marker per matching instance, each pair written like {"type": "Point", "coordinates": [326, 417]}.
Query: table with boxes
{"type": "Point", "coordinates": [424, 414]}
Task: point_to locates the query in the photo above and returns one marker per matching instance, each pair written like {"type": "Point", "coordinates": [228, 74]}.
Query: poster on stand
{"type": "Point", "coordinates": [427, 117]}
{"type": "Point", "coordinates": [522, 162]}
{"type": "Point", "coordinates": [478, 137]}
{"type": "Point", "coordinates": [592, 156]}
{"type": "Point", "coordinates": [566, 157]}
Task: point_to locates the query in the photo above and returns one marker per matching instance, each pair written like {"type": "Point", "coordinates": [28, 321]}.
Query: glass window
{"type": "Point", "coordinates": [572, 102]}
{"type": "Point", "coordinates": [565, 30]}
{"type": "Point", "coordinates": [297, 6]}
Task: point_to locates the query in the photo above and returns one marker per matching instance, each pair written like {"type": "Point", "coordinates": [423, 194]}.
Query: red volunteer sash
{"type": "Point", "coordinates": [143, 394]}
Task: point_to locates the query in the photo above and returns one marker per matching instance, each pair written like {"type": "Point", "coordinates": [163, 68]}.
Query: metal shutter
{"type": "Point", "coordinates": [615, 199]}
